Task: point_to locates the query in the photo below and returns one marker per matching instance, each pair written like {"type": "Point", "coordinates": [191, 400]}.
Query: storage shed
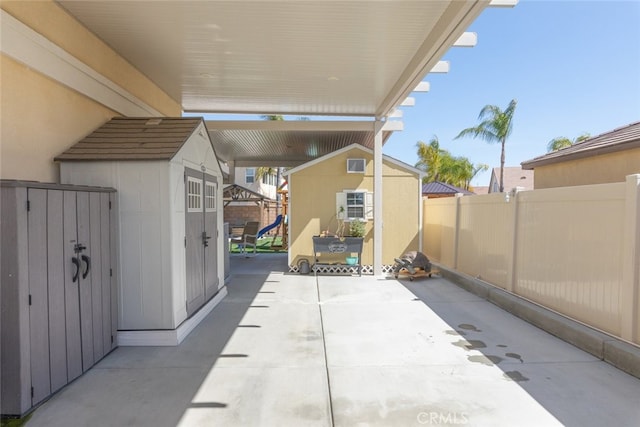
{"type": "Point", "coordinates": [170, 221]}
{"type": "Point", "coordinates": [340, 184]}
{"type": "Point", "coordinates": [58, 298]}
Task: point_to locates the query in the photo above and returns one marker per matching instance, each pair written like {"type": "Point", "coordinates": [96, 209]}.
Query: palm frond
{"type": "Point", "coordinates": [558, 143]}
{"type": "Point", "coordinates": [489, 110]}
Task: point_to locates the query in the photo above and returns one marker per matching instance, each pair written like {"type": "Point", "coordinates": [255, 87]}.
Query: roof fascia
{"type": "Point", "coordinates": [301, 125]}
{"type": "Point", "coordinates": [576, 155]}
{"type": "Point", "coordinates": [456, 19]}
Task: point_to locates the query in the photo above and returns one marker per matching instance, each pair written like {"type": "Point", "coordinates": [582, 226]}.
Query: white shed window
{"type": "Point", "coordinates": [354, 204]}
{"type": "Point", "coordinates": [194, 194]}
{"type": "Point", "coordinates": [210, 196]}
{"type": "Point", "coordinates": [249, 175]}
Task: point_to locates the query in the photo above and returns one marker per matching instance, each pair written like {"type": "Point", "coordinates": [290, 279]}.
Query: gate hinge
{"type": "Point", "coordinates": [28, 205]}
{"type": "Point", "coordinates": [111, 339]}
{"type": "Point", "coordinates": [109, 204]}
{"type": "Point", "coordinates": [111, 272]}
{"type": "Point", "coordinates": [185, 241]}
{"type": "Point", "coordinates": [29, 299]}
{"type": "Point", "coordinates": [32, 392]}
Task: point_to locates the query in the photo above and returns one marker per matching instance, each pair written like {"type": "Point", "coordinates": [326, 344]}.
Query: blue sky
{"type": "Point", "coordinates": [573, 66]}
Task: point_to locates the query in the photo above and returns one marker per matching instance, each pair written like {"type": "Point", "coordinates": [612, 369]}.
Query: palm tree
{"type": "Point", "coordinates": [279, 118]}
{"type": "Point", "coordinates": [563, 142]}
{"type": "Point", "coordinates": [265, 171]}
{"type": "Point", "coordinates": [430, 156]}
{"type": "Point", "coordinates": [440, 165]}
{"type": "Point", "coordinates": [496, 126]}
{"type": "Point", "coordinates": [272, 117]}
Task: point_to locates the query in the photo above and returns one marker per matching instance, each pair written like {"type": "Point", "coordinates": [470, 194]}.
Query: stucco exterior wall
{"type": "Point", "coordinates": [41, 117]}
{"type": "Point", "coordinates": [602, 169]}
{"type": "Point", "coordinates": [313, 191]}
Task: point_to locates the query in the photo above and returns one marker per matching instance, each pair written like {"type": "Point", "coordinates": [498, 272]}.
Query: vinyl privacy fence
{"type": "Point", "coordinates": [574, 250]}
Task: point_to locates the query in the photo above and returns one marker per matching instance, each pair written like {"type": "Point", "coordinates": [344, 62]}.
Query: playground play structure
{"type": "Point", "coordinates": [281, 222]}
{"type": "Point", "coordinates": [243, 236]}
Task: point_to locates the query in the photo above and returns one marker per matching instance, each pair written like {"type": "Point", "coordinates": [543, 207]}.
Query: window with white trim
{"type": "Point", "coordinates": [269, 179]}
{"type": "Point", "coordinates": [194, 194]}
{"type": "Point", "coordinates": [356, 165]}
{"type": "Point", "coordinates": [210, 196]}
{"type": "Point", "coordinates": [249, 175]}
{"type": "Point", "coordinates": [354, 204]}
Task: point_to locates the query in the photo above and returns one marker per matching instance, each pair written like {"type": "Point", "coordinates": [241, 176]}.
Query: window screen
{"type": "Point", "coordinates": [355, 205]}
{"type": "Point", "coordinates": [355, 165]}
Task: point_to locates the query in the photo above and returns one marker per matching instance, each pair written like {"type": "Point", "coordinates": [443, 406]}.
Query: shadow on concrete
{"type": "Point", "coordinates": [575, 387]}
{"type": "Point", "coordinates": [156, 386]}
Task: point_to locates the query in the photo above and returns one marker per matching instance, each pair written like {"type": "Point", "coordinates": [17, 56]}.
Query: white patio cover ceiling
{"type": "Point", "coordinates": [339, 58]}
{"type": "Point", "coordinates": [289, 143]}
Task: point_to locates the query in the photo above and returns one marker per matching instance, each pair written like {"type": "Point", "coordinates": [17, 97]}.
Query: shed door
{"type": "Point", "coordinates": [201, 238]}
{"type": "Point", "coordinates": [194, 252]}
{"type": "Point", "coordinates": [210, 236]}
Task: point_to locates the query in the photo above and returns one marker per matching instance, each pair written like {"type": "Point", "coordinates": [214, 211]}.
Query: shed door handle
{"type": "Point", "coordinates": [76, 262]}
{"type": "Point", "coordinates": [87, 261]}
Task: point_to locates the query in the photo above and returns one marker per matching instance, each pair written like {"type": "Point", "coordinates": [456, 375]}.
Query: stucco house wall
{"type": "Point", "coordinates": [41, 116]}
{"type": "Point", "coordinates": [600, 169]}
{"type": "Point", "coordinates": [606, 158]}
{"type": "Point", "coordinates": [312, 203]}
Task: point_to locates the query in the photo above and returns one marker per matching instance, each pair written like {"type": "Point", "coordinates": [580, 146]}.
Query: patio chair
{"type": "Point", "coordinates": [249, 237]}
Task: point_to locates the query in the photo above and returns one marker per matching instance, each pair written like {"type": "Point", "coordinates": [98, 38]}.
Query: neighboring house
{"type": "Point", "coordinates": [514, 176]}
{"type": "Point", "coordinates": [256, 198]}
{"type": "Point", "coordinates": [167, 178]}
{"type": "Point", "coordinates": [317, 190]}
{"type": "Point", "coordinates": [437, 189]}
{"type": "Point", "coordinates": [266, 185]}
{"type": "Point", "coordinates": [605, 158]}
{"type": "Point", "coordinates": [480, 190]}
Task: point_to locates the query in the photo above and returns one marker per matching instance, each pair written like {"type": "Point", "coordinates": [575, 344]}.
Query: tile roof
{"type": "Point", "coordinates": [142, 138]}
{"type": "Point", "coordinates": [619, 139]}
{"type": "Point", "coordinates": [438, 187]}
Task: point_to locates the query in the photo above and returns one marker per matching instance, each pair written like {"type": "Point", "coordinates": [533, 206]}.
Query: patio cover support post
{"type": "Point", "coordinates": [377, 197]}
{"type": "Point", "coordinates": [232, 171]}
{"type": "Point", "coordinates": [630, 292]}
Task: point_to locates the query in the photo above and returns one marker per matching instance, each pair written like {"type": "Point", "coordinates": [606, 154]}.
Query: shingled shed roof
{"type": "Point", "coordinates": [134, 139]}
{"type": "Point", "coordinates": [623, 138]}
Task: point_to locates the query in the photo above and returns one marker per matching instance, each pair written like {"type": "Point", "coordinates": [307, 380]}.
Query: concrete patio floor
{"type": "Point", "coordinates": [293, 350]}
